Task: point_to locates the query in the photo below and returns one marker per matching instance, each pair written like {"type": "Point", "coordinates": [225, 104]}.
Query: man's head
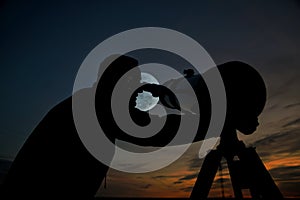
{"type": "Point", "coordinates": [118, 66]}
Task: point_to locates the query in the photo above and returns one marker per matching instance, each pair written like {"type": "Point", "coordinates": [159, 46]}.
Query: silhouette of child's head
{"type": "Point", "coordinates": [246, 95]}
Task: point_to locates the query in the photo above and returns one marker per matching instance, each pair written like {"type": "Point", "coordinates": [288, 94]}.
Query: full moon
{"type": "Point", "coordinates": [145, 101]}
{"type": "Point", "coordinates": [148, 78]}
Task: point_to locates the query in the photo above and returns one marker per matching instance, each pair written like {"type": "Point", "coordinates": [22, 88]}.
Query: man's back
{"type": "Point", "coordinates": [53, 161]}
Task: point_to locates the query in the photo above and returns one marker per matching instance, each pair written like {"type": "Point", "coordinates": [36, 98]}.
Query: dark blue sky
{"type": "Point", "coordinates": [43, 43]}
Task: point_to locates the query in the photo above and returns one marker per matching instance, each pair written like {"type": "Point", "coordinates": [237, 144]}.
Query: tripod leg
{"type": "Point", "coordinates": [207, 174]}
{"type": "Point", "coordinates": [263, 186]}
{"type": "Point", "coordinates": [233, 168]}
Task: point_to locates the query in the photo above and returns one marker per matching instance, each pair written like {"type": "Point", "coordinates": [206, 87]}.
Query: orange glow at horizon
{"type": "Point", "coordinates": [172, 185]}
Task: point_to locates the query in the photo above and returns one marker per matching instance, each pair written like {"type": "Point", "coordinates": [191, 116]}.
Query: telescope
{"type": "Point", "coordinates": [245, 96]}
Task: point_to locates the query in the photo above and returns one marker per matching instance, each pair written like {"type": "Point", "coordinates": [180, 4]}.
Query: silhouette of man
{"type": "Point", "coordinates": [53, 162]}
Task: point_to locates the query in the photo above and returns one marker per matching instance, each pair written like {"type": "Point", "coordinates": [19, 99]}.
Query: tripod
{"type": "Point", "coordinates": [246, 170]}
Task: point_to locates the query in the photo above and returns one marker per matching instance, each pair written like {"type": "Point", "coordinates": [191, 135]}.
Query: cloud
{"type": "Point", "coordinates": [280, 153]}
{"type": "Point", "coordinates": [188, 177]}
{"type": "Point", "coordinates": [292, 105]}
{"type": "Point", "coordinates": [290, 189]}
{"type": "Point", "coordinates": [271, 107]}
{"type": "Point", "coordinates": [278, 143]}
{"type": "Point", "coordinates": [225, 180]}
{"type": "Point", "coordinates": [177, 182]}
{"type": "Point", "coordinates": [164, 176]}
{"type": "Point", "coordinates": [286, 173]}
{"type": "Point", "coordinates": [146, 186]}
{"type": "Point", "coordinates": [195, 163]}
{"type": "Point", "coordinates": [288, 180]}
{"type": "Point", "coordinates": [292, 123]}
{"type": "Point", "coordinates": [187, 189]}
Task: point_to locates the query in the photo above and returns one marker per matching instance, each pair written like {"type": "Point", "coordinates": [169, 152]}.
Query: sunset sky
{"type": "Point", "coordinates": [43, 44]}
